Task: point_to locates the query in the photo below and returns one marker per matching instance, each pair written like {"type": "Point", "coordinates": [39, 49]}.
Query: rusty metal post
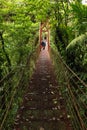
{"type": "Point", "coordinates": [44, 27]}
{"type": "Point", "coordinates": [48, 39]}
{"type": "Point", "coordinates": [40, 35]}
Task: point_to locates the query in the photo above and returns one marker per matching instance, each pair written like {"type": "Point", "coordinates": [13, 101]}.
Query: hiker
{"type": "Point", "coordinates": [43, 43]}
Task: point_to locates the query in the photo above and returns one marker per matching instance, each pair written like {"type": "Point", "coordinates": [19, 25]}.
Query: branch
{"type": "Point", "coordinates": [5, 53]}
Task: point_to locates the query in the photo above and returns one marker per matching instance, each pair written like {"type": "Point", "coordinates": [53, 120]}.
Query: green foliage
{"type": "Point", "coordinates": [17, 23]}
{"type": "Point", "coordinates": [77, 53]}
{"type": "Point", "coordinates": [19, 33]}
{"type": "Point", "coordinates": [19, 26]}
{"type": "Point", "coordinates": [79, 17]}
{"type": "Point", "coordinates": [60, 29]}
{"type": "Point", "coordinates": [60, 36]}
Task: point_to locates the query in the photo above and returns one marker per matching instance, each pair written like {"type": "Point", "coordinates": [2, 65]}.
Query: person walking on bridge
{"type": "Point", "coordinates": [43, 43]}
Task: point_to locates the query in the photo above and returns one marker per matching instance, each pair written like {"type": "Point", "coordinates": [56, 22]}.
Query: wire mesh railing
{"type": "Point", "coordinates": [74, 91]}
{"type": "Point", "coordinates": [12, 88]}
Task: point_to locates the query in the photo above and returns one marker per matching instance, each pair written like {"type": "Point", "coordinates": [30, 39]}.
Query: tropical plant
{"type": "Point", "coordinates": [79, 18]}
{"type": "Point", "coordinates": [77, 54]}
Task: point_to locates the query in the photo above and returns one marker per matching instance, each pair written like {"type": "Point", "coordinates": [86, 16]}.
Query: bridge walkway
{"type": "Point", "coordinates": [43, 106]}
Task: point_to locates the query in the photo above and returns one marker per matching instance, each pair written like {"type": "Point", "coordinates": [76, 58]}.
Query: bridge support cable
{"type": "Point", "coordinates": [12, 87]}
{"type": "Point", "coordinates": [76, 109]}
{"type": "Point", "coordinates": [72, 113]}
{"type": "Point", "coordinates": [74, 91]}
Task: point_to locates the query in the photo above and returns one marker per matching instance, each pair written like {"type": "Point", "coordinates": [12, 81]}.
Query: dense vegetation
{"type": "Point", "coordinates": [69, 33]}
{"type": "Point", "coordinates": [19, 25]}
{"type": "Point", "coordinates": [19, 34]}
{"type": "Point", "coordinates": [77, 55]}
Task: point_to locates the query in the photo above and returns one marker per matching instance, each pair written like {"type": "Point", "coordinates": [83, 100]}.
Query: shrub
{"type": "Point", "coordinates": [77, 53]}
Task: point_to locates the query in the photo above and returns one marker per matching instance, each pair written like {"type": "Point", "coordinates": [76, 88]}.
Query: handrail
{"type": "Point", "coordinates": [16, 67]}
{"type": "Point", "coordinates": [83, 83]}
{"type": "Point", "coordinates": [7, 76]}
{"type": "Point", "coordinates": [72, 72]}
{"type": "Point", "coordinates": [10, 103]}
{"type": "Point", "coordinates": [74, 91]}
{"type": "Point", "coordinates": [11, 86]}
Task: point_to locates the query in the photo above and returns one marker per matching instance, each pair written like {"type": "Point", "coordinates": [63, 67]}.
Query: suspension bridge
{"type": "Point", "coordinates": [50, 96]}
{"type": "Point", "coordinates": [50, 101]}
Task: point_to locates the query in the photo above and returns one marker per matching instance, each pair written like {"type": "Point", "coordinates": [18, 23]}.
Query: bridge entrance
{"type": "Point", "coordinates": [44, 31]}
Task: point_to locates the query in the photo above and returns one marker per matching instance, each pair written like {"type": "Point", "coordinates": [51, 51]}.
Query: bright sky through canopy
{"type": "Point", "coordinates": [84, 1]}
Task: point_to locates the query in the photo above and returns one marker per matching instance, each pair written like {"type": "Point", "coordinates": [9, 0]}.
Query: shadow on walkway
{"type": "Point", "coordinates": [43, 107]}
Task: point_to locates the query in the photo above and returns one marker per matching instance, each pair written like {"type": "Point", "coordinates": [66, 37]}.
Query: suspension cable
{"type": "Point", "coordinates": [71, 88]}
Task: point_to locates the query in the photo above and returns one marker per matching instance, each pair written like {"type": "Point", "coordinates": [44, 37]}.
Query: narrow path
{"type": "Point", "coordinates": [43, 105]}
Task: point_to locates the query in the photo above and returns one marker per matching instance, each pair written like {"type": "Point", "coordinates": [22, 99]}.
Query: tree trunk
{"type": "Point", "coordinates": [5, 53]}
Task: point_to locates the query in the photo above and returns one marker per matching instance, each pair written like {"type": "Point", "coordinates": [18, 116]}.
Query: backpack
{"type": "Point", "coordinates": [43, 43]}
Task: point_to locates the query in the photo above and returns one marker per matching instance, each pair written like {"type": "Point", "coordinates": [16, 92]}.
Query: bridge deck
{"type": "Point", "coordinates": [43, 107]}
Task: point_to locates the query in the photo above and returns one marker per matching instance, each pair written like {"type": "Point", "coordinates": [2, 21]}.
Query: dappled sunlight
{"type": "Point", "coordinates": [84, 2]}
